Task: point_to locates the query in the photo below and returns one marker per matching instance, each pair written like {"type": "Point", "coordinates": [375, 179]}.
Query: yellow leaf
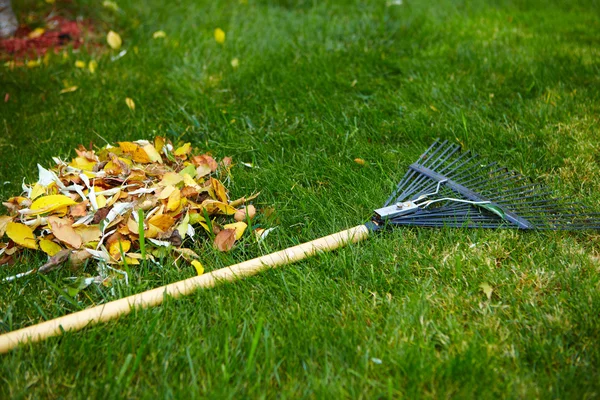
{"type": "Point", "coordinates": [115, 247]}
{"type": "Point", "coordinates": [21, 234]}
{"type": "Point", "coordinates": [37, 191]}
{"type": "Point", "coordinates": [50, 203]}
{"type": "Point", "coordinates": [219, 35]}
{"type": "Point", "coordinates": [220, 191]}
{"type": "Point", "coordinates": [68, 89]}
{"type": "Point", "coordinates": [170, 179]}
{"type": "Point", "coordinates": [183, 150]}
{"type": "Point", "coordinates": [36, 33]}
{"type": "Point", "coordinates": [79, 64]}
{"type": "Point", "coordinates": [153, 155]}
{"type": "Point", "coordinates": [111, 5]}
{"type": "Point", "coordinates": [101, 200]}
{"type": "Point", "coordinates": [174, 200]}
{"type": "Point", "coordinates": [130, 103]}
{"type": "Point", "coordinates": [189, 181]}
{"type": "Point", "coordinates": [83, 163]}
{"type": "Point", "coordinates": [235, 63]}
{"type": "Point", "coordinates": [218, 207]}
{"type": "Point", "coordinates": [33, 63]}
{"type": "Point", "coordinates": [166, 192]}
{"type": "Point", "coordinates": [49, 247]}
{"type": "Point", "coordinates": [359, 161]}
{"type": "Point", "coordinates": [487, 289]}
{"type": "Point", "coordinates": [239, 227]}
{"type": "Point", "coordinates": [92, 66]}
{"type": "Point", "coordinates": [159, 34]}
{"type": "Point", "coordinates": [159, 143]}
{"type": "Point", "coordinates": [114, 40]}
{"type": "Point", "coordinates": [163, 222]}
{"type": "Point", "coordinates": [198, 266]}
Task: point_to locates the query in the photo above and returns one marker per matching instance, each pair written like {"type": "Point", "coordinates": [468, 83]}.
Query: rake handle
{"type": "Point", "coordinates": [153, 297]}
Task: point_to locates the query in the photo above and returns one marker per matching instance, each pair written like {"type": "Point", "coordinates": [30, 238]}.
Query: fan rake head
{"type": "Point", "coordinates": [448, 187]}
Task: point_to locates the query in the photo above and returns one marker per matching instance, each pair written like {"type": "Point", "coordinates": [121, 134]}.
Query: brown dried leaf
{"type": "Point", "coordinates": [78, 257]}
{"type": "Point", "coordinates": [63, 231]}
{"type": "Point", "coordinates": [206, 160]}
{"type": "Point", "coordinates": [79, 210]}
{"type": "Point", "coordinates": [55, 261]}
{"type": "Point", "coordinates": [100, 215]}
{"type": "Point", "coordinates": [225, 239]}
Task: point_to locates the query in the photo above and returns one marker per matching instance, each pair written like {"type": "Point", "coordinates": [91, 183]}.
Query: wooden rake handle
{"type": "Point", "coordinates": [153, 297]}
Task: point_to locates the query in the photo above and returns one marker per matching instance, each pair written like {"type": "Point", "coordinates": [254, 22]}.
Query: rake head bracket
{"type": "Point", "coordinates": [448, 187]}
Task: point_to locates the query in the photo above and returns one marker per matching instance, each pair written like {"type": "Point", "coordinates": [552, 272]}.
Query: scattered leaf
{"type": "Point", "coordinates": [68, 89]}
{"type": "Point", "coordinates": [92, 66]}
{"type": "Point", "coordinates": [130, 103]}
{"type": "Point", "coordinates": [159, 35]}
{"type": "Point", "coordinates": [235, 63]}
{"type": "Point", "coordinates": [198, 266]}
{"type": "Point", "coordinates": [80, 64]}
{"type": "Point", "coordinates": [219, 36]}
{"type": "Point", "coordinates": [487, 289]}
{"type": "Point", "coordinates": [359, 161]}
{"type": "Point", "coordinates": [114, 40]}
{"type": "Point", "coordinates": [36, 33]}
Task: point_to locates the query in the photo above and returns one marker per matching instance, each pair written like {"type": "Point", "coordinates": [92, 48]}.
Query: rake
{"type": "Point", "coordinates": [445, 187]}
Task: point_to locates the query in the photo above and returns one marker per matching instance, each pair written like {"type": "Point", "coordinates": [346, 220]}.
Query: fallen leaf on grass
{"type": "Point", "coordinates": [114, 40]}
{"type": "Point", "coordinates": [130, 103]}
{"type": "Point", "coordinates": [159, 35]}
{"type": "Point", "coordinates": [198, 266]}
{"type": "Point", "coordinates": [55, 261]}
{"type": "Point", "coordinates": [92, 66]}
{"type": "Point", "coordinates": [487, 289]}
{"type": "Point", "coordinates": [219, 36]}
{"type": "Point", "coordinates": [225, 239]}
{"type": "Point", "coordinates": [68, 89]}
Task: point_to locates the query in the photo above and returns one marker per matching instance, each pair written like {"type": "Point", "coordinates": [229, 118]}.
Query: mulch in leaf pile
{"type": "Point", "coordinates": [124, 205]}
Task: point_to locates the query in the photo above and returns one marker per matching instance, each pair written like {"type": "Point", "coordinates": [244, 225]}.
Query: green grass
{"type": "Point", "coordinates": [319, 84]}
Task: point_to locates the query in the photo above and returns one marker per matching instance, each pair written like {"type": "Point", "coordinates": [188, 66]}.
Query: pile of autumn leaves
{"type": "Point", "coordinates": [123, 204]}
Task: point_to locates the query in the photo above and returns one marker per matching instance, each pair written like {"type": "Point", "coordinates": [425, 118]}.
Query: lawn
{"type": "Point", "coordinates": [317, 85]}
